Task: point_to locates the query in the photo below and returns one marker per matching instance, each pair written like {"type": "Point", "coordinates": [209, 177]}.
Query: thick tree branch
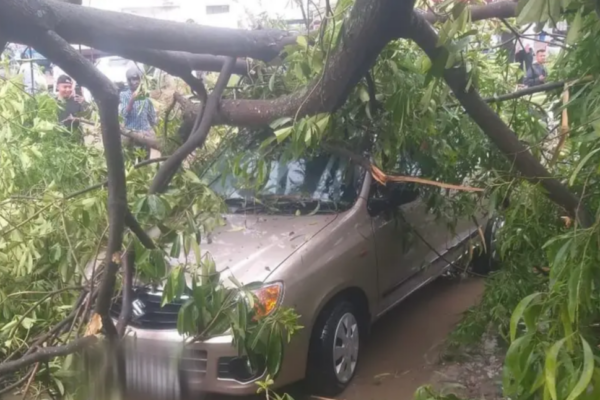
{"type": "Point", "coordinates": [498, 9]}
{"type": "Point", "coordinates": [48, 353]}
{"type": "Point", "coordinates": [97, 28]}
{"type": "Point", "coordinates": [370, 26]}
{"type": "Point", "coordinates": [142, 138]}
{"type": "Point", "coordinates": [106, 95]}
{"type": "Point", "coordinates": [199, 134]}
{"type": "Point", "coordinates": [493, 126]}
{"type": "Point", "coordinates": [176, 63]}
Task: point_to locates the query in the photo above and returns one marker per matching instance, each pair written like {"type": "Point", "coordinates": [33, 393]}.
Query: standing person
{"type": "Point", "coordinates": [524, 56]}
{"type": "Point", "coordinates": [33, 78]}
{"type": "Point", "coordinates": [71, 106]}
{"type": "Point", "coordinates": [136, 108]}
{"type": "Point", "coordinates": [536, 75]}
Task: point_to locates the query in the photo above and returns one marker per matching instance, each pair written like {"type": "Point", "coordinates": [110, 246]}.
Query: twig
{"type": "Point", "coordinates": [48, 353]}
{"type": "Point", "coordinates": [564, 126]}
{"type": "Point", "coordinates": [383, 178]}
{"type": "Point", "coordinates": [520, 35]}
{"type": "Point", "coordinates": [18, 383]}
{"type": "Point", "coordinates": [526, 92]}
{"type": "Point", "coordinates": [35, 369]}
{"type": "Point", "coordinates": [46, 297]}
{"type": "Point", "coordinates": [105, 183]}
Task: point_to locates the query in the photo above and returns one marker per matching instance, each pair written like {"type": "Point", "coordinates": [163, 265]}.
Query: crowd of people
{"type": "Point", "coordinates": [74, 101]}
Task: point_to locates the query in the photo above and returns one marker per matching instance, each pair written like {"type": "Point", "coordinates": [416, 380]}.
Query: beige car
{"type": "Point", "coordinates": [343, 254]}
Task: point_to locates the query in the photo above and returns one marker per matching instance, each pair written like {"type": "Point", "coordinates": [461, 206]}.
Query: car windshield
{"type": "Point", "coordinates": [322, 183]}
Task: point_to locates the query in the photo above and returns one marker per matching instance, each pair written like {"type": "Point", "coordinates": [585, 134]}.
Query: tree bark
{"type": "Point", "coordinates": [492, 125]}
{"type": "Point", "coordinates": [105, 92]}
{"type": "Point", "coordinates": [198, 135]}
{"type": "Point", "coordinates": [497, 9]}
{"type": "Point", "coordinates": [100, 28]}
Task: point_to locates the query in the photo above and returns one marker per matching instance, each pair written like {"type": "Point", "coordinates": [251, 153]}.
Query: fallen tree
{"type": "Point", "coordinates": [51, 26]}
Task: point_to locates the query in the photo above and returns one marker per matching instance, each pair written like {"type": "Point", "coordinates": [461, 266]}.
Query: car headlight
{"type": "Point", "coordinates": [267, 298]}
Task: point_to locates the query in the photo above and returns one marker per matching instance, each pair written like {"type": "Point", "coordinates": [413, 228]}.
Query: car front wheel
{"type": "Point", "coordinates": [334, 349]}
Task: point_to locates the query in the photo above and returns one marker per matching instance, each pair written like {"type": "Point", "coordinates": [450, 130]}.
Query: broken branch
{"type": "Point", "coordinates": [48, 353]}
{"type": "Point", "coordinates": [198, 136]}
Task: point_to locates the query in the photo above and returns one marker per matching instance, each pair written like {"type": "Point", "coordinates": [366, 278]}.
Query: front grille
{"type": "Point", "coordinates": [149, 363]}
{"type": "Point", "coordinates": [147, 311]}
{"type": "Point", "coordinates": [193, 363]}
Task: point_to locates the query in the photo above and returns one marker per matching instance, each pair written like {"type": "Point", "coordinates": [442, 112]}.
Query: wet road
{"type": "Point", "coordinates": [405, 344]}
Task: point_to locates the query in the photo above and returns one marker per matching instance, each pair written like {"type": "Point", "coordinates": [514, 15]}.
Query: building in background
{"type": "Point", "coordinates": [219, 13]}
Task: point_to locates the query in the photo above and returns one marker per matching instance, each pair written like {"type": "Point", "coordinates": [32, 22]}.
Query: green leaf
{"type": "Point", "coordinates": [279, 122]}
{"type": "Point", "coordinates": [274, 352]}
{"type": "Point", "coordinates": [532, 12]}
{"type": "Point", "coordinates": [157, 206]}
{"type": "Point", "coordinates": [363, 94]}
{"type": "Point", "coordinates": [581, 164]}
{"type": "Point", "coordinates": [512, 363]}
{"type": "Point", "coordinates": [272, 82]}
{"type": "Point", "coordinates": [192, 176]}
{"type": "Point", "coordinates": [27, 323]}
{"type": "Point", "coordinates": [427, 96]}
{"type": "Point", "coordinates": [518, 314]}
{"type": "Point", "coordinates": [575, 28]}
{"type": "Point", "coordinates": [301, 40]}
{"type": "Point", "coordinates": [197, 253]}
{"type": "Point", "coordinates": [283, 133]}
{"type": "Point", "coordinates": [60, 386]}
{"type": "Point", "coordinates": [551, 366]}
{"type": "Point", "coordinates": [586, 373]}
{"type": "Point", "coordinates": [175, 251]}
{"type": "Point", "coordinates": [323, 123]}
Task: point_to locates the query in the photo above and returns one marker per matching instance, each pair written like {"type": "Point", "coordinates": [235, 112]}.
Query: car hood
{"type": "Point", "coordinates": [251, 247]}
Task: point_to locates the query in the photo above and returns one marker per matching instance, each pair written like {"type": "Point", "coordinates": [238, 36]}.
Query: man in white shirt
{"type": "Point", "coordinates": [36, 85]}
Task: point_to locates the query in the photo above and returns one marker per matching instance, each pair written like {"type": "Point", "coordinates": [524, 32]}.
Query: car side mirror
{"type": "Point", "coordinates": [394, 194]}
{"type": "Point", "coordinates": [400, 193]}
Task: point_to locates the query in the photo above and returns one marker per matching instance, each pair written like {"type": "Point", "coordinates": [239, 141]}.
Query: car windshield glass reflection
{"type": "Point", "coordinates": [321, 184]}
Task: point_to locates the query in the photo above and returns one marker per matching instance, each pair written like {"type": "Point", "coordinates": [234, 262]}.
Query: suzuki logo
{"type": "Point", "coordinates": [138, 308]}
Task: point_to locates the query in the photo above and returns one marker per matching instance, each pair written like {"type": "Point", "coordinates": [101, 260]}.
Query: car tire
{"type": "Point", "coordinates": [341, 327]}
{"type": "Point", "coordinates": [488, 260]}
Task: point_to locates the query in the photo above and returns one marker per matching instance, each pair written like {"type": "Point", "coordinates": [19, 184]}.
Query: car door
{"type": "Point", "coordinates": [400, 251]}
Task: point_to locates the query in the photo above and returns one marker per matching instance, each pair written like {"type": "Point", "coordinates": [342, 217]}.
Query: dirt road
{"type": "Point", "coordinates": [405, 344]}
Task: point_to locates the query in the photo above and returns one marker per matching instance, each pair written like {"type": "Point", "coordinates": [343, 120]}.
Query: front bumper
{"type": "Point", "coordinates": [205, 364]}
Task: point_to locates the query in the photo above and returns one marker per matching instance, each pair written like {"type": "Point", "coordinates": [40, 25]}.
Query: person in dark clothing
{"type": "Point", "coordinates": [536, 75]}
{"type": "Point", "coordinates": [71, 105]}
{"type": "Point", "coordinates": [525, 58]}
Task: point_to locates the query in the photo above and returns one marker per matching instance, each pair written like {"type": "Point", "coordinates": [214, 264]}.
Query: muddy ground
{"type": "Point", "coordinates": [407, 349]}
